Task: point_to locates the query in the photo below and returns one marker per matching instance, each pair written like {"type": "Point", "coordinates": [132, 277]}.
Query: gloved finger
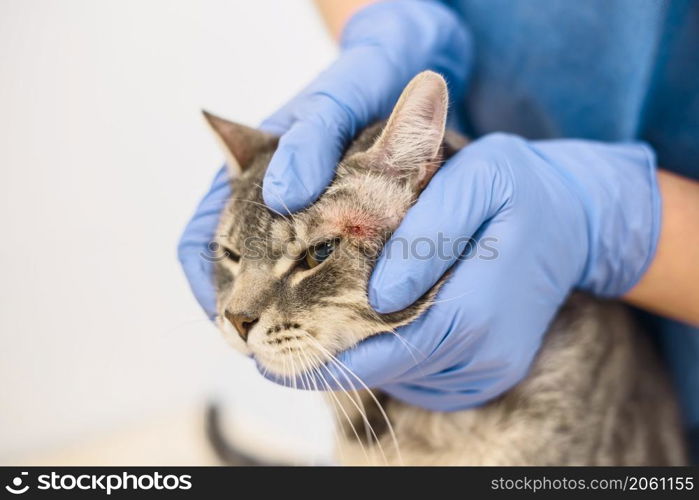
{"type": "Point", "coordinates": [467, 190]}
{"type": "Point", "coordinates": [195, 250]}
{"type": "Point", "coordinates": [318, 124]}
{"type": "Point", "coordinates": [304, 162]}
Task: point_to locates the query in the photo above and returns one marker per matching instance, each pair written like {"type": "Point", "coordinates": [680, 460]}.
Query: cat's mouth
{"type": "Point", "coordinates": [289, 355]}
{"type": "Point", "coordinates": [285, 349]}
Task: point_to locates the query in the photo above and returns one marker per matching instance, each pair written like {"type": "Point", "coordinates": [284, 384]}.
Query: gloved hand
{"type": "Point", "coordinates": [559, 214]}
{"type": "Point", "coordinates": [383, 46]}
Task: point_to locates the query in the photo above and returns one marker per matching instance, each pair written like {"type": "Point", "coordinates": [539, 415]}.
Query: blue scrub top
{"type": "Point", "coordinates": [608, 70]}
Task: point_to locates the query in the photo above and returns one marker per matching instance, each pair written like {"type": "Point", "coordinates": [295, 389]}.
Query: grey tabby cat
{"type": "Point", "coordinates": [292, 291]}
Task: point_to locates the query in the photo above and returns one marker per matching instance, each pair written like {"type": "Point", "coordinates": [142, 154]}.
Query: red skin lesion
{"type": "Point", "coordinates": [355, 230]}
{"type": "Point", "coordinates": [354, 224]}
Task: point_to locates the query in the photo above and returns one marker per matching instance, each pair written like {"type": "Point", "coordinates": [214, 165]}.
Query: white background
{"type": "Point", "coordinates": [103, 157]}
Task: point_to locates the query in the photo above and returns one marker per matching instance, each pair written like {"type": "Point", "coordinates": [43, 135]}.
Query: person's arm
{"type": "Point", "coordinates": [335, 13]}
{"type": "Point", "coordinates": [671, 284]}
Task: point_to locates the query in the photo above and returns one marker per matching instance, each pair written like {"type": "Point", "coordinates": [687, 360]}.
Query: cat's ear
{"type": "Point", "coordinates": [240, 143]}
{"type": "Point", "coordinates": [410, 145]}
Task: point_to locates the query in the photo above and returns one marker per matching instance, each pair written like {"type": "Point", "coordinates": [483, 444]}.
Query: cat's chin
{"type": "Point", "coordinates": [283, 367]}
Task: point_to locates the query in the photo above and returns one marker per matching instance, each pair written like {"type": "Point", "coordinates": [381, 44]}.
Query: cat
{"type": "Point", "coordinates": [292, 292]}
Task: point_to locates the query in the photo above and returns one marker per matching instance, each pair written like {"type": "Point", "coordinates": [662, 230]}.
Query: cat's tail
{"type": "Point", "coordinates": [227, 453]}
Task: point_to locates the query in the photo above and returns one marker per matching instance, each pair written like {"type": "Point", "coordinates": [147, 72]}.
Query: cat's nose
{"type": "Point", "coordinates": [242, 322]}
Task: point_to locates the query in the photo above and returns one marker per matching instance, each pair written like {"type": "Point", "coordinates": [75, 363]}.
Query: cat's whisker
{"type": "Point", "coordinates": [311, 376]}
{"type": "Point", "coordinates": [459, 296]}
{"type": "Point", "coordinates": [389, 425]}
{"type": "Point", "coordinates": [325, 383]}
{"type": "Point", "coordinates": [337, 420]}
{"type": "Point", "coordinates": [371, 434]}
{"type": "Point", "coordinates": [264, 206]}
{"type": "Point", "coordinates": [367, 425]}
{"type": "Point", "coordinates": [285, 370]}
{"type": "Point", "coordinates": [358, 404]}
{"type": "Point", "coordinates": [342, 366]}
{"type": "Point", "coordinates": [289, 217]}
{"type": "Point", "coordinates": [307, 365]}
{"type": "Point", "coordinates": [365, 417]}
{"type": "Point", "coordinates": [303, 372]}
{"type": "Point", "coordinates": [408, 346]}
{"type": "Point", "coordinates": [307, 381]}
{"type": "Point", "coordinates": [361, 410]}
{"type": "Point", "coordinates": [281, 200]}
{"type": "Point", "coordinates": [294, 371]}
{"type": "Point", "coordinates": [292, 374]}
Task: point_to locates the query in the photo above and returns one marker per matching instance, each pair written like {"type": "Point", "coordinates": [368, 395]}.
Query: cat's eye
{"type": "Point", "coordinates": [317, 254]}
{"type": "Point", "coordinates": [230, 254]}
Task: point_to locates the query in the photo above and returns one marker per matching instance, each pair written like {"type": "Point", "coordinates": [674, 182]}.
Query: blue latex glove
{"type": "Point", "coordinates": [560, 214]}
{"type": "Point", "coordinates": [383, 46]}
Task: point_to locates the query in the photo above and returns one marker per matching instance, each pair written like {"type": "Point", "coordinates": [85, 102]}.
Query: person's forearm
{"type": "Point", "coordinates": [670, 286]}
{"type": "Point", "coordinates": [335, 13]}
